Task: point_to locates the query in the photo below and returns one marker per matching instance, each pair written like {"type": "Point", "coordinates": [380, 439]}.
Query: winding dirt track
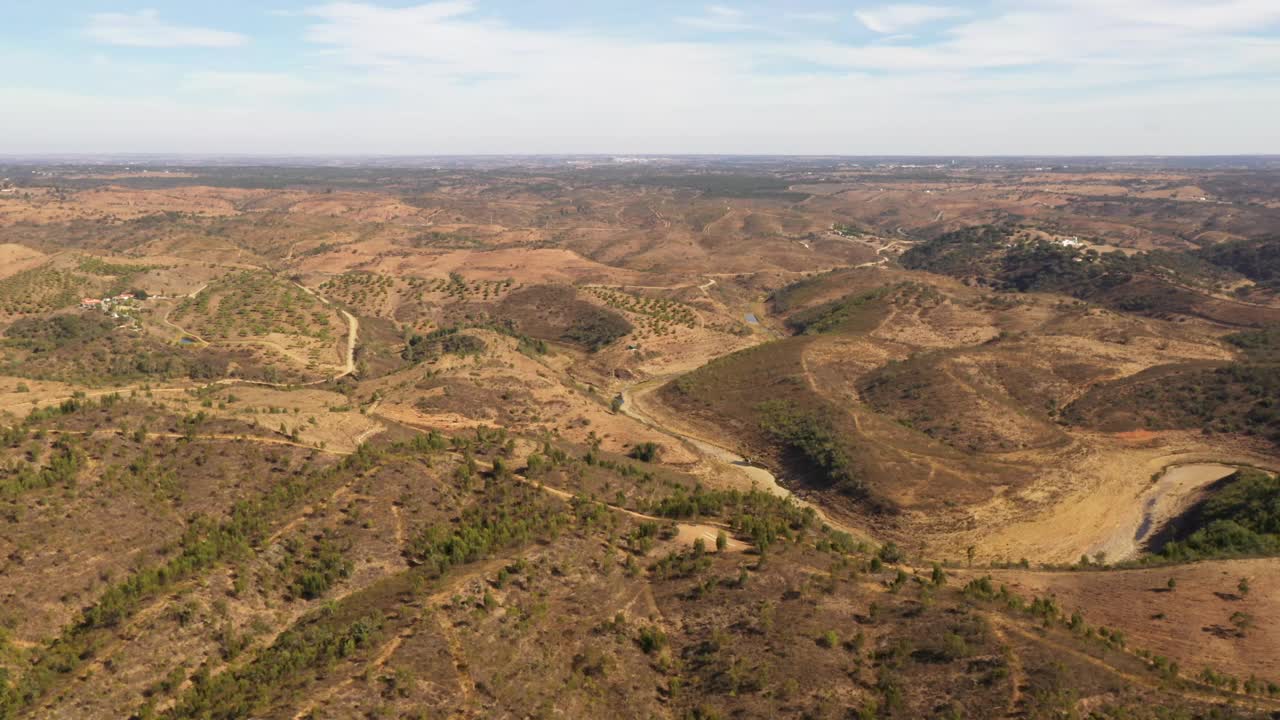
{"type": "Point", "coordinates": [349, 360]}
{"type": "Point", "coordinates": [755, 476]}
{"type": "Point", "coordinates": [353, 329]}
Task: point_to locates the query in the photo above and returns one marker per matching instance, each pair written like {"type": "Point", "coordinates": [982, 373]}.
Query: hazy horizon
{"type": "Point", "coordinates": [646, 155]}
{"type": "Point", "coordinates": [555, 77]}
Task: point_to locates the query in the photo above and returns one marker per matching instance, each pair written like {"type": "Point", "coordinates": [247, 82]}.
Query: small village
{"type": "Point", "coordinates": [116, 305]}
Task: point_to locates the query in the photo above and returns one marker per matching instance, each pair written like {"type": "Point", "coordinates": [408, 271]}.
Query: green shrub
{"type": "Point", "coordinates": [1243, 518]}
{"type": "Point", "coordinates": [645, 451]}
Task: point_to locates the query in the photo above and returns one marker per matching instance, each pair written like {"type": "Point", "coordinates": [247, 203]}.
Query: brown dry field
{"type": "Point", "coordinates": [16, 258]}
{"type": "Point", "coordinates": [539, 398]}
{"type": "Point", "coordinates": [320, 417]}
{"type": "Point", "coordinates": [976, 459]}
{"type": "Point", "coordinates": [530, 265]}
{"type": "Point", "coordinates": [1095, 494]}
{"type": "Point", "coordinates": [1190, 623]}
{"type": "Point", "coordinates": [1043, 492]}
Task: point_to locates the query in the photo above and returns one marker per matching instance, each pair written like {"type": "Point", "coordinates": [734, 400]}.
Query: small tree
{"type": "Point", "coordinates": [890, 553]}
{"type": "Point", "coordinates": [1243, 587]}
{"type": "Point", "coordinates": [1243, 621]}
{"type": "Point", "coordinates": [954, 647]}
{"type": "Point", "coordinates": [1172, 584]}
{"type": "Point", "coordinates": [645, 451]}
{"type": "Point", "coordinates": [939, 577]}
{"type": "Point", "coordinates": [651, 639]}
{"type": "Point", "coordinates": [500, 469]}
{"type": "Point", "coordinates": [722, 541]}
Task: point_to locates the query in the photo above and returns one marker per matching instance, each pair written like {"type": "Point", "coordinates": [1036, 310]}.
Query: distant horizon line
{"type": "Point", "coordinates": [112, 153]}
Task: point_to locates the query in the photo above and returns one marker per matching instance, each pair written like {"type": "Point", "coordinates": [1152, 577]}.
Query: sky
{"type": "Point", "coordinates": [806, 77]}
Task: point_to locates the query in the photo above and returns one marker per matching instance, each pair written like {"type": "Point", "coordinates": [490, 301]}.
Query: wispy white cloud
{"type": "Point", "coordinates": [813, 17]}
{"type": "Point", "coordinates": [718, 18]}
{"type": "Point", "coordinates": [145, 29]}
{"type": "Point", "coordinates": [450, 43]}
{"type": "Point", "coordinates": [250, 84]}
{"type": "Point", "coordinates": [892, 19]}
{"type": "Point", "coordinates": [1196, 15]}
{"type": "Point", "coordinates": [1086, 76]}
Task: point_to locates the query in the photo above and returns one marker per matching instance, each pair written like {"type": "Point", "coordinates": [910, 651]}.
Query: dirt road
{"type": "Point", "coordinates": [754, 476]}
{"type": "Point", "coordinates": [349, 357]}
{"type": "Point", "coordinates": [353, 329]}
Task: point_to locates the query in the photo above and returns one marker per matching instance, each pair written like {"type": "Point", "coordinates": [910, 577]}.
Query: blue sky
{"type": "Point", "coordinates": [542, 76]}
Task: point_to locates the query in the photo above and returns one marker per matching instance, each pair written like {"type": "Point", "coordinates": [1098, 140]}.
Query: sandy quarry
{"type": "Point", "coordinates": [1110, 482]}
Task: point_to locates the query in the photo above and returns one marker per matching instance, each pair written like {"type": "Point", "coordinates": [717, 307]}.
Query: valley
{"type": "Point", "coordinates": [809, 437]}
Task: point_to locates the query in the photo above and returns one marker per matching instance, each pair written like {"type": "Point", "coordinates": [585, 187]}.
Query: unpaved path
{"type": "Point", "coordinates": [122, 391]}
{"type": "Point", "coordinates": [632, 408]}
{"type": "Point", "coordinates": [165, 318]}
{"type": "Point", "coordinates": [349, 357]}
{"type": "Point", "coordinates": [209, 436]}
{"type": "Point", "coordinates": [1193, 628]}
{"type": "Point", "coordinates": [1196, 690]}
{"type": "Point", "coordinates": [466, 686]}
{"type": "Point", "coordinates": [686, 532]}
{"type": "Point", "coordinates": [353, 329]}
{"type": "Point", "coordinates": [1017, 675]}
{"type": "Point", "coordinates": [757, 477]}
